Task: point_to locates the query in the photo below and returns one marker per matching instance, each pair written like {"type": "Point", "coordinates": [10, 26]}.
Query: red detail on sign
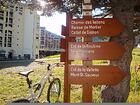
{"type": "Point", "coordinates": [63, 54]}
{"type": "Point", "coordinates": [97, 75]}
{"type": "Point", "coordinates": [95, 51]}
{"type": "Point", "coordinates": [64, 30]}
{"type": "Point", "coordinates": [63, 45]}
{"type": "Point", "coordinates": [95, 27]}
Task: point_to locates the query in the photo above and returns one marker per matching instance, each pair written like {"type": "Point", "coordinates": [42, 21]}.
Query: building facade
{"type": "Point", "coordinates": [49, 42]}
{"type": "Point", "coordinates": [19, 32]}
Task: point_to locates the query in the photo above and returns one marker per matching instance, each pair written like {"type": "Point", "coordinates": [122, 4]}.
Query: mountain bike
{"type": "Point", "coordinates": [36, 90]}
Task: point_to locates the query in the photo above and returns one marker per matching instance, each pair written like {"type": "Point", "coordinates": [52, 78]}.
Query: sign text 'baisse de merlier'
{"type": "Point", "coordinates": [95, 27]}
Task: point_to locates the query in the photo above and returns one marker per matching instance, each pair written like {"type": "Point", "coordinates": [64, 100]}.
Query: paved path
{"type": "Point", "coordinates": [25, 63]}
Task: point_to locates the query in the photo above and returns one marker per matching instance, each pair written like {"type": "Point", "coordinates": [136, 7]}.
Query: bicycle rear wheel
{"type": "Point", "coordinates": [54, 91]}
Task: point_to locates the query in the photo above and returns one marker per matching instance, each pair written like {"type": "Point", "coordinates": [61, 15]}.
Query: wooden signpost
{"type": "Point", "coordinates": [87, 74]}
{"type": "Point", "coordinates": [87, 88]}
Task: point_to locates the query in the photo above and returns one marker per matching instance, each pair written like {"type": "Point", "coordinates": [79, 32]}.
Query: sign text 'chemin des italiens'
{"type": "Point", "coordinates": [97, 75]}
{"type": "Point", "coordinates": [95, 51]}
{"type": "Point", "coordinates": [95, 27]}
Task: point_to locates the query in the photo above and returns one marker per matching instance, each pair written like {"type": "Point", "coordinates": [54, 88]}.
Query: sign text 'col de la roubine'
{"type": "Point", "coordinates": [95, 27]}
{"type": "Point", "coordinates": [95, 51]}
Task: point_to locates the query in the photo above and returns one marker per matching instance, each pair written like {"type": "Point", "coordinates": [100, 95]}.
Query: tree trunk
{"type": "Point", "coordinates": [123, 11]}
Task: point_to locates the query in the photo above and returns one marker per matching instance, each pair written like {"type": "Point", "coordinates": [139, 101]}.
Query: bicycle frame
{"type": "Point", "coordinates": [43, 81]}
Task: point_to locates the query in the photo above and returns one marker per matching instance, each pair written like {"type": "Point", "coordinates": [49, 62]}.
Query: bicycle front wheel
{"type": "Point", "coordinates": [54, 91]}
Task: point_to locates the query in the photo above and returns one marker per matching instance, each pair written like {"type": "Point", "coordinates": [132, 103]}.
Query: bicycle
{"type": "Point", "coordinates": [54, 88]}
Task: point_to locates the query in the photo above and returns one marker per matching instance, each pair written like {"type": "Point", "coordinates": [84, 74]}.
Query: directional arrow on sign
{"type": "Point", "coordinates": [95, 27]}
{"type": "Point", "coordinates": [95, 51]}
{"type": "Point", "coordinates": [97, 75]}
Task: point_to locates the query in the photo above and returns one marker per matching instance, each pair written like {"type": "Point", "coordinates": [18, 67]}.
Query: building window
{"type": "Point", "coordinates": [36, 56]}
{"type": "Point", "coordinates": [9, 33]}
{"type": "Point", "coordinates": [9, 41]}
{"type": "Point", "coordinates": [10, 25]}
{"type": "Point", "coordinates": [38, 26]}
{"type": "Point", "coordinates": [1, 31]}
{"type": "Point", "coordinates": [10, 20]}
{"type": "Point", "coordinates": [6, 13]}
{"type": "Point", "coordinates": [16, 8]}
{"type": "Point", "coordinates": [5, 40]}
{"type": "Point", "coordinates": [1, 18]}
{"type": "Point", "coordinates": [11, 14]}
{"type": "Point", "coordinates": [5, 31]}
{"type": "Point", "coordinates": [20, 13]}
{"type": "Point", "coordinates": [31, 12]}
{"type": "Point", "coordinates": [6, 20]}
{"type": "Point", "coordinates": [12, 6]}
{"type": "Point", "coordinates": [21, 8]}
{"type": "Point", "coordinates": [1, 27]}
{"type": "Point", "coordinates": [0, 41]}
{"type": "Point", "coordinates": [2, 13]}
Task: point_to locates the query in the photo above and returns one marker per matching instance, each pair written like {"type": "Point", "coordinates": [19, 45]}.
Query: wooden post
{"type": "Point", "coordinates": [67, 63]}
{"type": "Point", "coordinates": [87, 88]}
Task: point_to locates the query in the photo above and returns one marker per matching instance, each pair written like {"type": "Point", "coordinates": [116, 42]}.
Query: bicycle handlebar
{"type": "Point", "coordinates": [50, 66]}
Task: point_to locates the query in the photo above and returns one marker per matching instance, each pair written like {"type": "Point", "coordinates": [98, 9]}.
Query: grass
{"type": "Point", "coordinates": [13, 86]}
{"type": "Point", "coordinates": [135, 78]}
{"type": "Point", "coordinates": [53, 56]}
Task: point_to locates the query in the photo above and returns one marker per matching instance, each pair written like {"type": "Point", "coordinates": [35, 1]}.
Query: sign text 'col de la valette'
{"type": "Point", "coordinates": [97, 75]}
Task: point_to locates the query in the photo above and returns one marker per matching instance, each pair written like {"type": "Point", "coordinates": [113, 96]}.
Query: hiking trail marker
{"type": "Point", "coordinates": [86, 50]}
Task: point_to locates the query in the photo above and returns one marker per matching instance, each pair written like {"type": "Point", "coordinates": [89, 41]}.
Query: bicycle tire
{"type": "Point", "coordinates": [21, 101]}
{"type": "Point", "coordinates": [53, 83]}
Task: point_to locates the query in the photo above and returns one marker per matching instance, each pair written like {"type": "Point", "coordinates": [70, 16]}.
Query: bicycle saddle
{"type": "Point", "coordinates": [25, 73]}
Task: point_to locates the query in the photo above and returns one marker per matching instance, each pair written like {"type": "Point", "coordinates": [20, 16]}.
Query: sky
{"type": "Point", "coordinates": [53, 24]}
